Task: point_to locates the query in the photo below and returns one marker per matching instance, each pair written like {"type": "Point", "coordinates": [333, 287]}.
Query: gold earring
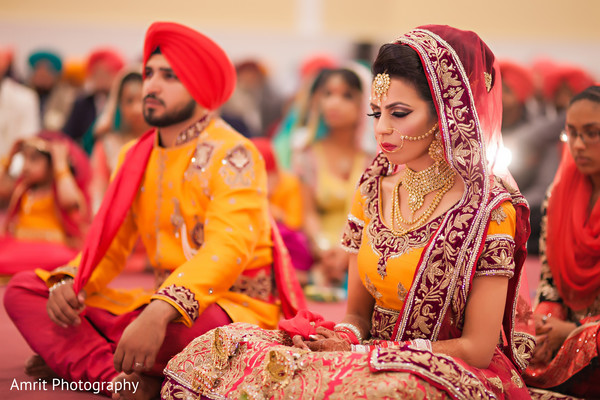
{"type": "Point", "coordinates": [436, 149]}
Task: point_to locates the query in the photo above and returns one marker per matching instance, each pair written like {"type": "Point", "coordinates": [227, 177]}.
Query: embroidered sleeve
{"type": "Point", "coordinates": [497, 257]}
{"type": "Point", "coordinates": [352, 235]}
{"type": "Point", "coordinates": [181, 298]}
{"type": "Point", "coordinates": [236, 218]}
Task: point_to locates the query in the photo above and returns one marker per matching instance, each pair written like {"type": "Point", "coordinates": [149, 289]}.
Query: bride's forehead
{"type": "Point", "coordinates": [397, 88]}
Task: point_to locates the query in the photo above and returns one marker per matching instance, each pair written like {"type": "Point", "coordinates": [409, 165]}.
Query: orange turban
{"type": "Point", "coordinates": [199, 63]}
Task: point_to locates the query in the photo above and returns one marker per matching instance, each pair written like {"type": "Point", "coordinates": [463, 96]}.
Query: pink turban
{"type": "Point", "coordinates": [199, 63]}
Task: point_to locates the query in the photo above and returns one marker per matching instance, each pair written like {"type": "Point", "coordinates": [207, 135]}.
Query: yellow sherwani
{"type": "Point", "coordinates": [202, 214]}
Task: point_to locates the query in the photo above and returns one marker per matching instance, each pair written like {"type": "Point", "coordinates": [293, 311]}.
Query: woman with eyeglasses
{"type": "Point", "coordinates": [568, 297]}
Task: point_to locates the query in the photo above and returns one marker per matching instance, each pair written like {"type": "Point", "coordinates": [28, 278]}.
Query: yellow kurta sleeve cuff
{"type": "Point", "coordinates": [56, 275]}
{"type": "Point", "coordinates": [183, 300]}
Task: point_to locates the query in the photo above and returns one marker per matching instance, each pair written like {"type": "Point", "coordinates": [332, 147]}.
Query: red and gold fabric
{"type": "Point", "coordinates": [569, 288]}
{"type": "Point", "coordinates": [420, 282]}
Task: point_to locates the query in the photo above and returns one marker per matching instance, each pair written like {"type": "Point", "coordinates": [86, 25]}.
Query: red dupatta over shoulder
{"type": "Point", "coordinates": [573, 236]}
{"type": "Point", "coordinates": [116, 203]}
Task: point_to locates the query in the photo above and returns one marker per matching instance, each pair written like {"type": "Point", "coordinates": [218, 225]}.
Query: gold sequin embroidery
{"type": "Point", "coordinates": [498, 215]}
{"type": "Point", "coordinates": [238, 167]}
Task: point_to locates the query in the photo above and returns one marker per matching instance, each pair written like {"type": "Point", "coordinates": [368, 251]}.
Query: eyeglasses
{"type": "Point", "coordinates": [587, 137]}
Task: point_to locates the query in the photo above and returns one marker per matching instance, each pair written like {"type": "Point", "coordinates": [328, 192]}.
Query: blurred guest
{"type": "Point", "coordinates": [121, 121]}
{"type": "Point", "coordinates": [568, 296]}
{"type": "Point", "coordinates": [19, 109]}
{"type": "Point", "coordinates": [49, 205]}
{"type": "Point", "coordinates": [102, 67]}
{"type": "Point", "coordinates": [329, 165]}
{"type": "Point", "coordinates": [518, 120]}
{"type": "Point", "coordinates": [285, 201]}
{"type": "Point", "coordinates": [302, 113]}
{"type": "Point", "coordinates": [560, 83]}
{"type": "Point", "coordinates": [55, 96]}
{"type": "Point", "coordinates": [254, 102]}
{"type": "Point", "coordinates": [517, 90]}
{"type": "Point", "coordinates": [74, 72]}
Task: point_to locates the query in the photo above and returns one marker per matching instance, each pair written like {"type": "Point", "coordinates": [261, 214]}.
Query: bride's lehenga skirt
{"type": "Point", "coordinates": [242, 361]}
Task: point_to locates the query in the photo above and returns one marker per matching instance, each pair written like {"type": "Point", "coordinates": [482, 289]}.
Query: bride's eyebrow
{"type": "Point", "coordinates": [397, 103]}
{"type": "Point", "coordinates": [392, 105]}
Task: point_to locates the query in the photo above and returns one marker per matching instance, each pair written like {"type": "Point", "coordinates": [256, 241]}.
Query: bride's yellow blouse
{"type": "Point", "coordinates": [387, 263]}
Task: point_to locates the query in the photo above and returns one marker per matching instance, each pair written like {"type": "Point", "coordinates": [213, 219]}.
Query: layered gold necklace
{"type": "Point", "coordinates": [440, 177]}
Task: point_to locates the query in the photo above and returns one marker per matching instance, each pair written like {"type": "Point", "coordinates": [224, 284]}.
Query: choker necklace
{"type": "Point", "coordinates": [440, 176]}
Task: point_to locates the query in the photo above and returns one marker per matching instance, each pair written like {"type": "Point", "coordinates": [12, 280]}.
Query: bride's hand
{"type": "Point", "coordinates": [324, 340]}
{"type": "Point", "coordinates": [299, 342]}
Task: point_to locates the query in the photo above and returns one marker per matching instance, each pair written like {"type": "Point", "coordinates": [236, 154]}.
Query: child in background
{"type": "Point", "coordinates": [48, 206]}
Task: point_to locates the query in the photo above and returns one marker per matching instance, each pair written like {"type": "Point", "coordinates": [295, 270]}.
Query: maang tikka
{"type": "Point", "coordinates": [381, 85]}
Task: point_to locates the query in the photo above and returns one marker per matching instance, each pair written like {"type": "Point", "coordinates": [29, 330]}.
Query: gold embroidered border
{"type": "Point", "coordinates": [194, 130]}
{"type": "Point", "coordinates": [450, 256]}
{"type": "Point", "coordinates": [497, 257]}
{"type": "Point", "coordinates": [238, 167]}
{"type": "Point", "coordinates": [546, 291]}
{"type": "Point", "coordinates": [352, 235]}
{"type": "Point", "coordinates": [258, 287]}
{"type": "Point", "coordinates": [458, 381]}
{"type": "Point", "coordinates": [183, 297]}
{"type": "Point", "coordinates": [383, 322]}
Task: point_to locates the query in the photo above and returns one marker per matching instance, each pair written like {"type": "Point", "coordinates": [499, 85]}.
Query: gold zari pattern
{"type": "Point", "coordinates": [259, 286]}
{"type": "Point", "coordinates": [498, 215]}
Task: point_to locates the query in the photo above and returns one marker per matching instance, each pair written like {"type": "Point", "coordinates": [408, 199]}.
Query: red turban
{"type": "Point", "coordinates": [266, 150]}
{"type": "Point", "coordinates": [109, 57]}
{"type": "Point", "coordinates": [315, 64]}
{"type": "Point", "coordinates": [575, 77]}
{"type": "Point", "coordinates": [518, 78]}
{"type": "Point", "coordinates": [199, 63]}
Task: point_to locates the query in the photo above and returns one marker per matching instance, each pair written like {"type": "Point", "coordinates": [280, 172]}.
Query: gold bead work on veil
{"type": "Point", "coordinates": [439, 176]}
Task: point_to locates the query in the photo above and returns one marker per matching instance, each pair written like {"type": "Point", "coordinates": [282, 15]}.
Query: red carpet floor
{"type": "Point", "coordinates": [14, 350]}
